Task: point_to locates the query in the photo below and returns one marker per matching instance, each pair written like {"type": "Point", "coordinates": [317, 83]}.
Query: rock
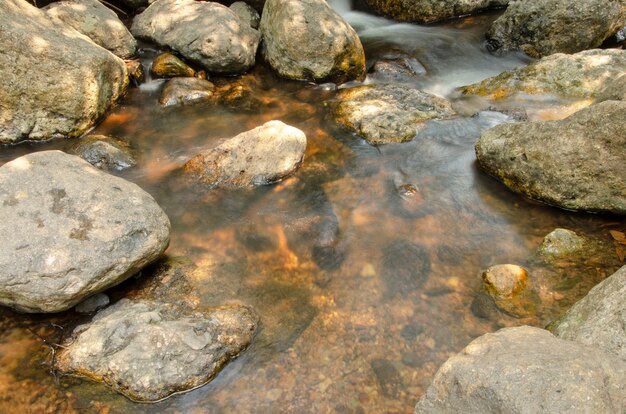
{"type": "Point", "coordinates": [544, 27]}
{"type": "Point", "coordinates": [427, 11]}
{"type": "Point", "coordinates": [104, 153]}
{"type": "Point", "coordinates": [505, 281]}
{"type": "Point", "coordinates": [150, 350]}
{"type": "Point", "coordinates": [308, 40]}
{"type": "Point", "coordinates": [246, 13]}
{"type": "Point", "coordinates": [263, 155]}
{"type": "Point", "coordinates": [387, 113]}
{"type": "Point", "coordinates": [598, 319]}
{"type": "Point", "coordinates": [561, 244]}
{"type": "Point", "coordinates": [527, 370]}
{"type": "Point", "coordinates": [93, 303]}
{"type": "Point", "coordinates": [185, 91]}
{"type": "Point", "coordinates": [207, 33]}
{"type": "Point", "coordinates": [400, 69]}
{"type": "Point", "coordinates": [168, 65]}
{"type": "Point", "coordinates": [135, 71]}
{"type": "Point", "coordinates": [388, 377]}
{"type": "Point", "coordinates": [70, 230]}
{"type": "Point", "coordinates": [56, 81]}
{"type": "Point", "coordinates": [405, 267]}
{"type": "Point", "coordinates": [576, 163]}
{"type": "Point", "coordinates": [594, 74]}
{"type": "Point", "coordinates": [507, 286]}
{"type": "Point", "coordinates": [96, 21]}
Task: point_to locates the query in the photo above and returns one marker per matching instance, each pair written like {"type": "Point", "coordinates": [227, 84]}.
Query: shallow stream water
{"type": "Point", "coordinates": [328, 257]}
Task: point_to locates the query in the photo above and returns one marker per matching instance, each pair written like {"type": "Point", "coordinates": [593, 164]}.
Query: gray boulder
{"type": "Point", "coordinates": [150, 350]}
{"type": "Point", "coordinates": [576, 163]}
{"type": "Point", "coordinates": [263, 155]}
{"type": "Point", "coordinates": [70, 230]}
{"type": "Point", "coordinates": [598, 319]}
{"type": "Point", "coordinates": [308, 40]}
{"type": "Point", "coordinates": [526, 370]}
{"type": "Point", "coordinates": [94, 20]}
{"type": "Point", "coordinates": [543, 27]}
{"type": "Point", "coordinates": [428, 11]}
{"type": "Point", "coordinates": [387, 113]}
{"type": "Point", "coordinates": [104, 153]}
{"type": "Point", "coordinates": [246, 13]}
{"type": "Point", "coordinates": [207, 33]}
{"type": "Point", "coordinates": [596, 75]}
{"type": "Point", "coordinates": [56, 82]}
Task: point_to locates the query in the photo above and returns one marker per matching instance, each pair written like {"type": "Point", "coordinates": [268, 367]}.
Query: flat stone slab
{"type": "Point", "coordinates": [150, 350]}
{"type": "Point", "coordinates": [69, 230]}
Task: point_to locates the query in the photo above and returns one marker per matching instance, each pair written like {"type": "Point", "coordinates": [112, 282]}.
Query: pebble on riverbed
{"type": "Point", "coordinates": [507, 285]}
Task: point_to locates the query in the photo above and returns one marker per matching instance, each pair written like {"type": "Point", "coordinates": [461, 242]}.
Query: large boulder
{"type": "Point", "coordinates": [56, 82]}
{"type": "Point", "coordinates": [308, 40]}
{"type": "Point", "coordinates": [387, 113]}
{"type": "Point", "coordinates": [69, 230]}
{"type": "Point", "coordinates": [150, 350]}
{"type": "Point", "coordinates": [576, 163]}
{"type": "Point", "coordinates": [543, 27]}
{"type": "Point", "coordinates": [598, 319]}
{"type": "Point", "coordinates": [597, 75]}
{"type": "Point", "coordinates": [527, 370]}
{"type": "Point", "coordinates": [94, 20]}
{"type": "Point", "coordinates": [263, 155]}
{"type": "Point", "coordinates": [428, 11]}
{"type": "Point", "coordinates": [207, 33]}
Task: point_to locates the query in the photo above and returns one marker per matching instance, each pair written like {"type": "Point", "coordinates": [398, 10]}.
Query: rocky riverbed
{"type": "Point", "coordinates": [301, 206]}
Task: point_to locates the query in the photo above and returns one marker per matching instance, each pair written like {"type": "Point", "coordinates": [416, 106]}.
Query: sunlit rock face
{"type": "Point", "coordinates": [70, 230]}
{"type": "Point", "coordinates": [595, 75]}
{"type": "Point", "coordinates": [576, 163]}
{"type": "Point", "coordinates": [150, 350]}
{"type": "Point", "coordinates": [543, 27]}
{"type": "Point", "coordinates": [428, 11]}
{"type": "Point", "coordinates": [260, 156]}
{"type": "Point", "coordinates": [387, 113]}
{"type": "Point", "coordinates": [56, 81]}
{"type": "Point", "coordinates": [96, 21]}
{"type": "Point", "coordinates": [308, 40]}
{"type": "Point", "coordinates": [206, 33]}
{"type": "Point", "coordinates": [498, 372]}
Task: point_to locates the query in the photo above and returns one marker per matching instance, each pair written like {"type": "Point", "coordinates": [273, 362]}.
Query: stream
{"type": "Point", "coordinates": [327, 256]}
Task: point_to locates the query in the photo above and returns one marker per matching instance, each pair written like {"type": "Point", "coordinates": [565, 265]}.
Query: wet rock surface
{"type": "Point", "coordinates": [168, 65]}
{"type": "Point", "coordinates": [150, 350]}
{"type": "Point", "coordinates": [308, 40]}
{"type": "Point", "coordinates": [105, 153]}
{"type": "Point", "coordinates": [599, 319]}
{"type": "Point", "coordinates": [96, 21]}
{"type": "Point", "coordinates": [498, 372]}
{"type": "Point", "coordinates": [186, 91]}
{"type": "Point", "coordinates": [70, 230]}
{"type": "Point", "coordinates": [593, 74]}
{"type": "Point", "coordinates": [207, 33]}
{"type": "Point", "coordinates": [425, 11]}
{"type": "Point", "coordinates": [576, 163]}
{"type": "Point", "coordinates": [260, 156]}
{"type": "Point", "coordinates": [387, 113]}
{"type": "Point", "coordinates": [50, 91]}
{"type": "Point", "coordinates": [397, 69]}
{"type": "Point", "coordinates": [543, 27]}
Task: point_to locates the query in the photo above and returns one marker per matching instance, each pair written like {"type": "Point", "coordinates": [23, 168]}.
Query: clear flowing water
{"type": "Point", "coordinates": [328, 257]}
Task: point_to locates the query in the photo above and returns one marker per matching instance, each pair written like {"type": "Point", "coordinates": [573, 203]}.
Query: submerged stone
{"type": "Point", "coordinates": [405, 267]}
{"type": "Point", "coordinates": [576, 163]}
{"type": "Point", "coordinates": [150, 350]}
{"type": "Point", "coordinates": [263, 155]}
{"type": "Point", "coordinates": [562, 244]}
{"type": "Point", "coordinates": [168, 65]}
{"type": "Point", "coordinates": [527, 370]}
{"type": "Point", "coordinates": [186, 91]}
{"type": "Point", "coordinates": [507, 285]}
{"type": "Point", "coordinates": [104, 153]}
{"type": "Point", "coordinates": [387, 113]}
{"type": "Point", "coordinates": [70, 230]}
